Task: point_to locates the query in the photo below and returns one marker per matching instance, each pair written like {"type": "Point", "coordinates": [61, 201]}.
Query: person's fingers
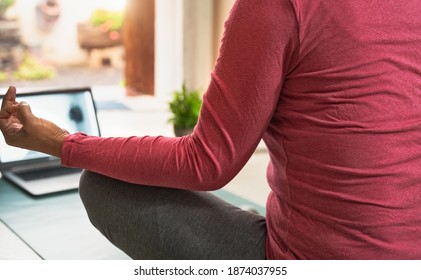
{"type": "Point", "coordinates": [24, 113]}
{"type": "Point", "coordinates": [9, 98]}
{"type": "Point", "coordinates": [8, 110]}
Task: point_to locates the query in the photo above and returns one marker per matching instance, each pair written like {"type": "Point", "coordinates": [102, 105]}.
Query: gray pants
{"type": "Point", "coordinates": [162, 223]}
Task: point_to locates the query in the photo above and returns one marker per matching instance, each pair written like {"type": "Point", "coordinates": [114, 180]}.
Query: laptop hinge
{"type": "Point", "coordinates": [34, 166]}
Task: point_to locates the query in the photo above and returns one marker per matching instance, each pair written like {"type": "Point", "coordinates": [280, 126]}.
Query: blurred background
{"type": "Point", "coordinates": [147, 47]}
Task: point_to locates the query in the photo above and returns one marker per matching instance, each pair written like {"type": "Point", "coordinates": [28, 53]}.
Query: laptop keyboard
{"type": "Point", "coordinates": [47, 173]}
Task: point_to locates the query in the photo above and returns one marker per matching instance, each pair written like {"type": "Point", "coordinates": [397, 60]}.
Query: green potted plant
{"type": "Point", "coordinates": [4, 5]}
{"type": "Point", "coordinates": [3, 76]}
{"type": "Point", "coordinates": [31, 69]}
{"type": "Point", "coordinates": [185, 109]}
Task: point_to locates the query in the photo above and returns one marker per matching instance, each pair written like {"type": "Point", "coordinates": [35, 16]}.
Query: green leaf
{"type": "Point", "coordinates": [185, 107]}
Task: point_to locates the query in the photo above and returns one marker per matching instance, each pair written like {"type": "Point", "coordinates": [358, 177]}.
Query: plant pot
{"type": "Point", "coordinates": [48, 12]}
{"type": "Point", "coordinates": [179, 132]}
{"type": "Point", "coordinates": [91, 37]}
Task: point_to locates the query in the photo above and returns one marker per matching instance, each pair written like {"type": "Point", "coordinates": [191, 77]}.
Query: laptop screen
{"type": "Point", "coordinates": [73, 110]}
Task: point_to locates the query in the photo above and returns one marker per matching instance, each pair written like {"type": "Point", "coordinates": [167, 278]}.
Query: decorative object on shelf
{"type": "Point", "coordinates": [48, 12]}
{"type": "Point", "coordinates": [185, 109]}
{"type": "Point", "coordinates": [104, 30]}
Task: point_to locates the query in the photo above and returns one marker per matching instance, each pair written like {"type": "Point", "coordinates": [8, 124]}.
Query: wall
{"type": "Point", "coordinates": [221, 13]}
{"type": "Point", "coordinates": [198, 29]}
{"type": "Point", "coordinates": [187, 38]}
{"type": "Point", "coordinates": [168, 47]}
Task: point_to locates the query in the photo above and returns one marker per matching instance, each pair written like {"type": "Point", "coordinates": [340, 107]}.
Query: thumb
{"type": "Point", "coordinates": [24, 113]}
{"type": "Point", "coordinates": [9, 97]}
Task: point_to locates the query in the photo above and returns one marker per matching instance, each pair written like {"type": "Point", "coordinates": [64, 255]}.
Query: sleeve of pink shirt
{"type": "Point", "coordinates": [258, 47]}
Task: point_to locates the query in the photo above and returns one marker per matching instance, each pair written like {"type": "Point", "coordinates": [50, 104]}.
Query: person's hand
{"type": "Point", "coordinates": [22, 129]}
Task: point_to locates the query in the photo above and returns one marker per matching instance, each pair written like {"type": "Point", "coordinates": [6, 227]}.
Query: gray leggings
{"type": "Point", "coordinates": [162, 223]}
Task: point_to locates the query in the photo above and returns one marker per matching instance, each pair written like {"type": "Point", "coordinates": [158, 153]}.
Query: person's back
{"type": "Point", "coordinates": [346, 136]}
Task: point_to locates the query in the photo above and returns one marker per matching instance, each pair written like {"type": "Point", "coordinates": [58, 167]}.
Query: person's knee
{"type": "Point", "coordinates": [93, 194]}
{"type": "Point", "coordinates": [95, 198]}
{"type": "Point", "coordinates": [85, 186]}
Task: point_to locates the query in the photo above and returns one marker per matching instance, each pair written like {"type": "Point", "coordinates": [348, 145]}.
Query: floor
{"type": "Point", "coordinates": [15, 247]}
{"type": "Point", "coordinates": [35, 228]}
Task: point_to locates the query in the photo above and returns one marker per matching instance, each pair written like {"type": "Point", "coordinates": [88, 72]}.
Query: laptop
{"type": "Point", "coordinates": [38, 173]}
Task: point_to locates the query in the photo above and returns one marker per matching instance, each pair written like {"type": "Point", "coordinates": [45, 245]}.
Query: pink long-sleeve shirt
{"type": "Point", "coordinates": [334, 89]}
